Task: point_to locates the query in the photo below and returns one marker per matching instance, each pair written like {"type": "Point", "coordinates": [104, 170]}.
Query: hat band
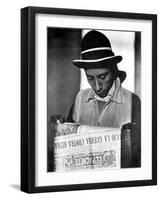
{"type": "Point", "coordinates": [93, 55]}
{"type": "Point", "coordinates": [95, 49]}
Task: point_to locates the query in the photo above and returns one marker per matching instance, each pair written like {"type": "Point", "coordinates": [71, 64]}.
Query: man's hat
{"type": "Point", "coordinates": [96, 52]}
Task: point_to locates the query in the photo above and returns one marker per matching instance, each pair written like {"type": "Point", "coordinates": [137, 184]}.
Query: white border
{"type": "Point", "coordinates": [145, 172]}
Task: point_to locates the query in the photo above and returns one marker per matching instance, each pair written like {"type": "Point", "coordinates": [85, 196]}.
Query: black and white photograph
{"type": "Point", "coordinates": [94, 101]}
{"type": "Point", "coordinates": [88, 98]}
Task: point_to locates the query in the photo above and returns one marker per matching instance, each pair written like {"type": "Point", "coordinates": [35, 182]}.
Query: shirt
{"type": "Point", "coordinates": [123, 107]}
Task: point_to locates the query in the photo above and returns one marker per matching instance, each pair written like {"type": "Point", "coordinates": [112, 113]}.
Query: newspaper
{"type": "Point", "coordinates": [86, 148]}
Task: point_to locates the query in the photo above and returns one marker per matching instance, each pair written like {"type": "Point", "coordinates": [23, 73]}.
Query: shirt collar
{"type": "Point", "coordinates": [114, 93]}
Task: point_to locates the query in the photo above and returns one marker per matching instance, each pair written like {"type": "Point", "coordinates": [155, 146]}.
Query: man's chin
{"type": "Point", "coordinates": [102, 95]}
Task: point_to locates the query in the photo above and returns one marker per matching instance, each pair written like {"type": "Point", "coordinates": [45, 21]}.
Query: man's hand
{"type": "Point", "coordinates": [54, 120]}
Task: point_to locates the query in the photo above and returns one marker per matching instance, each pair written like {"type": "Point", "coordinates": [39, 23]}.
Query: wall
{"type": "Point", "coordinates": [63, 76]}
{"type": "Point", "coordinates": [10, 99]}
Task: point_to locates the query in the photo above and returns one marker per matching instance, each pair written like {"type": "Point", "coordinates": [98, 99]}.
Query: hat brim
{"type": "Point", "coordinates": [98, 63]}
{"type": "Point", "coordinates": [106, 62]}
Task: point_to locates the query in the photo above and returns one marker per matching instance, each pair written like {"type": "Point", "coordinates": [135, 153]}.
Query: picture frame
{"type": "Point", "coordinates": [37, 23]}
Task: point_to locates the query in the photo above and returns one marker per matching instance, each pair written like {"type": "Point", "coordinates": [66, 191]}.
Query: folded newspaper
{"type": "Point", "coordinates": [81, 147]}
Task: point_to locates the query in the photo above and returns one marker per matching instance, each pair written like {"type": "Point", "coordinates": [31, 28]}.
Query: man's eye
{"type": "Point", "coordinates": [102, 77]}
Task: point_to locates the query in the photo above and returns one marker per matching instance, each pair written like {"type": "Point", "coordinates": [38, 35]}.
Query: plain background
{"type": "Point", "coordinates": [10, 99]}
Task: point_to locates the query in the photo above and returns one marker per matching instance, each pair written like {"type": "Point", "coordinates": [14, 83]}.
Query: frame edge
{"type": "Point", "coordinates": [24, 100]}
{"type": "Point", "coordinates": [27, 60]}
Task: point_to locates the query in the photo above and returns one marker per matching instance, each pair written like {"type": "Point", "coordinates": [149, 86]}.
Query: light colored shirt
{"type": "Point", "coordinates": [116, 112]}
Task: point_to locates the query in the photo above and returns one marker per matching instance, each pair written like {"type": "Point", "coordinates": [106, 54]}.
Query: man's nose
{"type": "Point", "coordinates": [97, 85]}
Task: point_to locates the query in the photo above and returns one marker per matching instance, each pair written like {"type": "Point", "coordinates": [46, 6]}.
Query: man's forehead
{"type": "Point", "coordinates": [97, 71]}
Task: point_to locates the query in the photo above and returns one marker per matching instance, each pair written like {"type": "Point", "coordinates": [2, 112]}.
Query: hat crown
{"type": "Point", "coordinates": [96, 45]}
{"type": "Point", "coordinates": [95, 39]}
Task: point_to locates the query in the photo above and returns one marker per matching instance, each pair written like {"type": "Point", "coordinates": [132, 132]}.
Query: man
{"type": "Point", "coordinates": [106, 103]}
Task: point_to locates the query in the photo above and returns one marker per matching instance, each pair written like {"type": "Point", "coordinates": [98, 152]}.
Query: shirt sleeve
{"type": "Point", "coordinates": [76, 108]}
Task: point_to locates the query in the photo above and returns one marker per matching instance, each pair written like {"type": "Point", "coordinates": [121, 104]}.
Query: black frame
{"type": "Point", "coordinates": [28, 98]}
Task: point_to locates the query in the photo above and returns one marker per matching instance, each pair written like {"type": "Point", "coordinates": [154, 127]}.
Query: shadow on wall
{"type": "Point", "coordinates": [63, 78]}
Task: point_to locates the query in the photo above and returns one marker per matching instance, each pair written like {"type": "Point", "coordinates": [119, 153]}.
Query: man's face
{"type": "Point", "coordinates": [100, 80]}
